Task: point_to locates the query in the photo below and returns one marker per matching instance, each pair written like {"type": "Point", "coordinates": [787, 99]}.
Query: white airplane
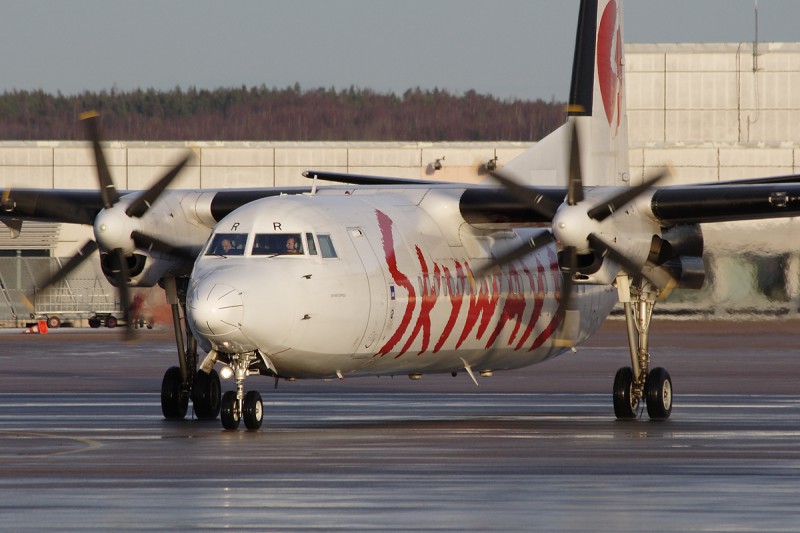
{"type": "Point", "coordinates": [387, 276]}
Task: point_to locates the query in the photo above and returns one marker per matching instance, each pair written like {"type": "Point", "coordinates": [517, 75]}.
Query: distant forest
{"type": "Point", "coordinates": [270, 114]}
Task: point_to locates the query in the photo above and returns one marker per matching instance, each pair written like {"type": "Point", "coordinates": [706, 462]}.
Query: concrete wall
{"type": "Point", "coordinates": [714, 111]}
{"type": "Point", "coordinates": [722, 93]}
{"type": "Point", "coordinates": [134, 165]}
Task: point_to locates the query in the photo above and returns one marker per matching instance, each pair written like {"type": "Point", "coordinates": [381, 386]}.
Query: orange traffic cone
{"type": "Point", "coordinates": [40, 327]}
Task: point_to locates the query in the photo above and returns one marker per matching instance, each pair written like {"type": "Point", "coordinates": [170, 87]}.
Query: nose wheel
{"type": "Point", "coordinates": [251, 409]}
{"type": "Point", "coordinates": [236, 405]}
{"type": "Point", "coordinates": [230, 413]}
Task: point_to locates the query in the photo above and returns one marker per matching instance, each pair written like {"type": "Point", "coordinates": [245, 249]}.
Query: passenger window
{"type": "Point", "coordinates": [312, 248]}
{"type": "Point", "coordinates": [227, 244]}
{"type": "Point", "coordinates": [326, 246]}
{"type": "Point", "coordinates": [277, 244]}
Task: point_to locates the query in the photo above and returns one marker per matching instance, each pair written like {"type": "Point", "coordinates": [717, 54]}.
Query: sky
{"type": "Point", "coordinates": [506, 48]}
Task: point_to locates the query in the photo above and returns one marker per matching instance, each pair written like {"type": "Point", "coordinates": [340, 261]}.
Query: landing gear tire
{"type": "Point", "coordinates": [658, 392]}
{"type": "Point", "coordinates": [174, 401]}
{"type": "Point", "coordinates": [206, 395]}
{"type": "Point", "coordinates": [625, 403]}
{"type": "Point", "coordinates": [253, 410]}
{"type": "Point", "coordinates": [230, 411]}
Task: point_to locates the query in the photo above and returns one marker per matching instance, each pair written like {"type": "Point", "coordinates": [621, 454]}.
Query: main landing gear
{"type": "Point", "coordinates": [636, 383]}
{"type": "Point", "coordinates": [185, 381]}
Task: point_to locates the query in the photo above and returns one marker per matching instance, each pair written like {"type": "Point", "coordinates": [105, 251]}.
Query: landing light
{"type": "Point", "coordinates": [226, 372]}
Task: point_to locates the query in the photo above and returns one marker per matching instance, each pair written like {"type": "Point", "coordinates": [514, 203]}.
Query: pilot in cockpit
{"type": "Point", "coordinates": [225, 246]}
{"type": "Point", "coordinates": [291, 246]}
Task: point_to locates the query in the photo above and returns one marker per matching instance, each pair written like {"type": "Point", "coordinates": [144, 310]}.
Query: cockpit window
{"type": "Point", "coordinates": [227, 244]}
{"type": "Point", "coordinates": [312, 248]}
{"type": "Point", "coordinates": [278, 244]}
{"type": "Point", "coordinates": [326, 246]}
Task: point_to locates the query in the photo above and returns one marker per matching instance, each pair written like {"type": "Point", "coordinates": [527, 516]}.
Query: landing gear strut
{"type": "Point", "coordinates": [638, 382]}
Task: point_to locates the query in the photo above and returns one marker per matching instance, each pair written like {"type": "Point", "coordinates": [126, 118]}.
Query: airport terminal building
{"type": "Point", "coordinates": [714, 112]}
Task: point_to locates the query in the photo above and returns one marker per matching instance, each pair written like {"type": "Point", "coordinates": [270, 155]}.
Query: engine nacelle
{"type": "Point", "coordinates": [143, 270]}
{"type": "Point", "coordinates": [676, 258]}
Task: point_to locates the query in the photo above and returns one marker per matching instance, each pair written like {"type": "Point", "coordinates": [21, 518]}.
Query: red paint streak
{"type": "Point", "coordinates": [605, 64]}
{"type": "Point", "coordinates": [481, 306]}
{"type": "Point", "coordinates": [428, 300]}
{"type": "Point", "coordinates": [455, 305]}
{"type": "Point", "coordinates": [514, 308]}
{"type": "Point", "coordinates": [538, 303]}
{"type": "Point", "coordinates": [387, 239]}
{"type": "Point", "coordinates": [548, 331]}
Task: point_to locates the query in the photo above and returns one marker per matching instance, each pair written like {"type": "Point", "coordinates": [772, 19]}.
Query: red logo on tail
{"type": "Point", "coordinates": [609, 64]}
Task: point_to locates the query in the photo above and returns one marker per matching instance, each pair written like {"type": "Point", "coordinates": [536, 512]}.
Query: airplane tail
{"type": "Point", "coordinates": [596, 106]}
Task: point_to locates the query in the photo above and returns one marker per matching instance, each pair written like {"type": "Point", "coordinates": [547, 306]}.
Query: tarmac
{"type": "Point", "coordinates": [83, 445]}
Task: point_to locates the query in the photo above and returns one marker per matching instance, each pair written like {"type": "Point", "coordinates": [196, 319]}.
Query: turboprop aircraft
{"type": "Point", "coordinates": [386, 276]}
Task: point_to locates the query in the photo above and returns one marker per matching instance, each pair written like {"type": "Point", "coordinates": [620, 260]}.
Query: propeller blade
{"type": "Point", "coordinates": [120, 272]}
{"type": "Point", "coordinates": [604, 210]}
{"type": "Point", "coordinates": [148, 243]}
{"type": "Point", "coordinates": [568, 269]}
{"type": "Point", "coordinates": [536, 199]}
{"type": "Point", "coordinates": [71, 265]}
{"type": "Point", "coordinates": [575, 182]}
{"type": "Point", "coordinates": [5, 204]}
{"type": "Point", "coordinates": [516, 253]}
{"type": "Point", "coordinates": [140, 206]}
{"type": "Point", "coordinates": [107, 190]}
{"type": "Point", "coordinates": [570, 318]}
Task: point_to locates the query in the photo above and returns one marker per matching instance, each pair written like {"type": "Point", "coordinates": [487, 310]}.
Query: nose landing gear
{"type": "Point", "coordinates": [236, 405]}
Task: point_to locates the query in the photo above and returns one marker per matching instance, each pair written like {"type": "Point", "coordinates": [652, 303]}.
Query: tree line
{"type": "Point", "coordinates": [272, 114]}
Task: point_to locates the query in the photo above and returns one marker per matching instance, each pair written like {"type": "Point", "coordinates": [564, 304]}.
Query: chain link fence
{"type": "Point", "coordinates": [82, 294]}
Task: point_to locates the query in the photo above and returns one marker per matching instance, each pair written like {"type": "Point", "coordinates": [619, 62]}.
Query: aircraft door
{"type": "Point", "coordinates": [377, 287]}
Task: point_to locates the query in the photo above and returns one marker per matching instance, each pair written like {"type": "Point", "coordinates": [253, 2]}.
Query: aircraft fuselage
{"type": "Point", "coordinates": [380, 282]}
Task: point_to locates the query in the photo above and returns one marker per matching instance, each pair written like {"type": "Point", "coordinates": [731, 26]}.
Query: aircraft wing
{"type": "Point", "coordinates": [724, 203]}
{"type": "Point", "coordinates": [360, 179]}
{"type": "Point", "coordinates": [748, 199]}
{"type": "Point", "coordinates": [775, 197]}
{"type": "Point", "coordinates": [688, 204]}
{"type": "Point", "coordinates": [82, 207]}
{"type": "Point", "coordinates": [68, 206]}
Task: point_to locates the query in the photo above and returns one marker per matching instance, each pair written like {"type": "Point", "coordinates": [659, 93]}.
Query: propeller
{"type": "Point", "coordinates": [576, 224]}
{"type": "Point", "coordinates": [115, 227]}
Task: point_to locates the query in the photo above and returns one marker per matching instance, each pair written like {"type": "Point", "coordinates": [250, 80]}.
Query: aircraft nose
{"type": "Point", "coordinates": [215, 309]}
